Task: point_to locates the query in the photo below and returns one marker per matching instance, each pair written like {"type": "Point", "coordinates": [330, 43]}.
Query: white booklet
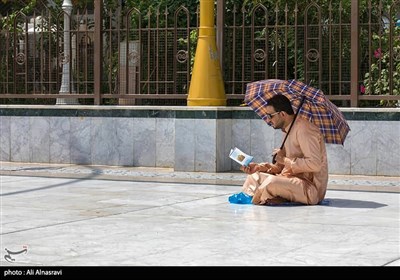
{"type": "Point", "coordinates": [240, 157]}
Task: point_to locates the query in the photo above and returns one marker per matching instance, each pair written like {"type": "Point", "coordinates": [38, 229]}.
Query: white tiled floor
{"type": "Point", "coordinates": [75, 222]}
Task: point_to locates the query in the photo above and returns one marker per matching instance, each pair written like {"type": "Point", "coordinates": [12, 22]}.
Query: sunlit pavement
{"type": "Point", "coordinates": [84, 220]}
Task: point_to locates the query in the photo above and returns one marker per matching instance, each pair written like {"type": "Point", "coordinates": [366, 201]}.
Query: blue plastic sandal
{"type": "Point", "coordinates": [240, 198]}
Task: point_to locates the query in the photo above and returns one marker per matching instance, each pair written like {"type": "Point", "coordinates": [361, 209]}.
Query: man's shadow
{"type": "Point", "coordinates": [351, 203]}
{"type": "Point", "coordinates": [339, 203]}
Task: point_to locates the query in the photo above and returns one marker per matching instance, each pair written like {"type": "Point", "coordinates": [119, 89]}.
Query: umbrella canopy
{"type": "Point", "coordinates": [316, 108]}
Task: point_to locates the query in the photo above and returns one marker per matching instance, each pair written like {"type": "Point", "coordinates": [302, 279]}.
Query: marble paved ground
{"type": "Point", "coordinates": [84, 222]}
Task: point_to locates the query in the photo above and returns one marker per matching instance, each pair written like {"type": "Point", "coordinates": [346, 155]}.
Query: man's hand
{"type": "Point", "coordinates": [251, 168]}
{"type": "Point", "coordinates": [271, 168]}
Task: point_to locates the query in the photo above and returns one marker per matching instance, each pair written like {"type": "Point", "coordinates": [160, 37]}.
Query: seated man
{"type": "Point", "coordinates": [300, 173]}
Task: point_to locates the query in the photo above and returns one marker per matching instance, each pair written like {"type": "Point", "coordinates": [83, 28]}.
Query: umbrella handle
{"type": "Point", "coordinates": [295, 116]}
{"type": "Point", "coordinates": [274, 159]}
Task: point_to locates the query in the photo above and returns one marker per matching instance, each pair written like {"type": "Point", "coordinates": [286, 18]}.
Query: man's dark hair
{"type": "Point", "coordinates": [280, 103]}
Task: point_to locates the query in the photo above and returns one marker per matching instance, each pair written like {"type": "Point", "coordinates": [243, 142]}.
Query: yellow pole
{"type": "Point", "coordinates": [206, 86]}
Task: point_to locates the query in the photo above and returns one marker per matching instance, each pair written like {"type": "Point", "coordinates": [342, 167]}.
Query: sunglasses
{"type": "Point", "coordinates": [269, 116]}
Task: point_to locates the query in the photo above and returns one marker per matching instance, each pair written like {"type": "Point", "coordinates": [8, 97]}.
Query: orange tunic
{"type": "Point", "coordinates": [304, 176]}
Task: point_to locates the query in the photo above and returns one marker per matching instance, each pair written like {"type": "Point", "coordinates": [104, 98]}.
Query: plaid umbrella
{"type": "Point", "coordinates": [316, 108]}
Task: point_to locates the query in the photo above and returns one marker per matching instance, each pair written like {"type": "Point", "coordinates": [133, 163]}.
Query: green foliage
{"type": "Point", "coordinates": [382, 71]}
{"type": "Point", "coordinates": [7, 22]}
{"type": "Point", "coordinates": [374, 70]}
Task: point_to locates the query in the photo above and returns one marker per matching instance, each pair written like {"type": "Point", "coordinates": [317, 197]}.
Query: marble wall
{"type": "Point", "coordinates": [371, 147]}
{"type": "Point", "coordinates": [194, 143]}
{"type": "Point", "coordinates": [87, 140]}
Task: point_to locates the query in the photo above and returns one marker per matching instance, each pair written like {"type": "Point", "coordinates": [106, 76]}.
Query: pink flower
{"type": "Point", "coordinates": [378, 53]}
{"type": "Point", "coordinates": [362, 89]}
